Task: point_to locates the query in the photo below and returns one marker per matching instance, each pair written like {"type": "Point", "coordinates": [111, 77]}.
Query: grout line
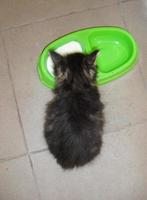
{"type": "Point", "coordinates": [14, 93]}
{"type": "Point", "coordinates": [19, 115]}
{"type": "Point", "coordinates": [35, 178]}
{"type": "Point", "coordinates": [130, 125]}
{"type": "Point", "coordinates": [125, 1]}
{"type": "Point", "coordinates": [122, 16]}
{"type": "Point", "coordinates": [56, 17]}
{"type": "Point", "coordinates": [142, 77]}
{"type": "Point", "coordinates": [126, 26]}
{"type": "Point", "coordinates": [22, 155]}
{"type": "Point", "coordinates": [39, 151]}
{"type": "Point", "coordinates": [12, 158]}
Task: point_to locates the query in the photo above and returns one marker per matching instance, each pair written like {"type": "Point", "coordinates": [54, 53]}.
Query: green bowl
{"type": "Point", "coordinates": [118, 52]}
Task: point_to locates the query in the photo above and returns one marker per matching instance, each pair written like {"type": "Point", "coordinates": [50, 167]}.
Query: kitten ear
{"type": "Point", "coordinates": [90, 59]}
{"type": "Point", "coordinates": [56, 57]}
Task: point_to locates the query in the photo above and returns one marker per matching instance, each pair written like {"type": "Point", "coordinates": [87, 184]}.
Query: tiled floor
{"type": "Point", "coordinates": [27, 170]}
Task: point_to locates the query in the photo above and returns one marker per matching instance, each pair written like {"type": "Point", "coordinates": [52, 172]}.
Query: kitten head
{"type": "Point", "coordinates": [75, 71]}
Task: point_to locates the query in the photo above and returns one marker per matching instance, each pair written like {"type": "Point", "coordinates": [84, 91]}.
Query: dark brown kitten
{"type": "Point", "coordinates": [74, 118]}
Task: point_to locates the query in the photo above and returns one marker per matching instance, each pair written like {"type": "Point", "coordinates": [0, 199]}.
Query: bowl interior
{"type": "Point", "coordinates": [115, 49]}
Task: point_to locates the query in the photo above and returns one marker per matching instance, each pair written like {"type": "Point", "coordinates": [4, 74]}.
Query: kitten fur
{"type": "Point", "coordinates": [74, 118]}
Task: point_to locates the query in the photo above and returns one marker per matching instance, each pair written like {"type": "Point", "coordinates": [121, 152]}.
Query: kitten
{"type": "Point", "coordinates": [74, 118]}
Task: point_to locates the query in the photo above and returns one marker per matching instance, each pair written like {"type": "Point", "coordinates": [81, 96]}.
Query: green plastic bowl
{"type": "Point", "coordinates": [118, 52]}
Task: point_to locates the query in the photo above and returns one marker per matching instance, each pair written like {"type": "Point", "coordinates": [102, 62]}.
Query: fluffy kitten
{"type": "Point", "coordinates": [74, 118]}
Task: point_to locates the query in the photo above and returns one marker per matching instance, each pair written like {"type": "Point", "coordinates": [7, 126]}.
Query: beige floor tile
{"type": "Point", "coordinates": [125, 101]}
{"type": "Point", "coordinates": [125, 1]}
{"type": "Point", "coordinates": [24, 45]}
{"type": "Point", "coordinates": [14, 13]}
{"type": "Point", "coordinates": [135, 15]}
{"type": "Point", "coordinates": [10, 131]}
{"type": "Point", "coordinates": [17, 181]}
{"type": "Point", "coordinates": [117, 174]}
